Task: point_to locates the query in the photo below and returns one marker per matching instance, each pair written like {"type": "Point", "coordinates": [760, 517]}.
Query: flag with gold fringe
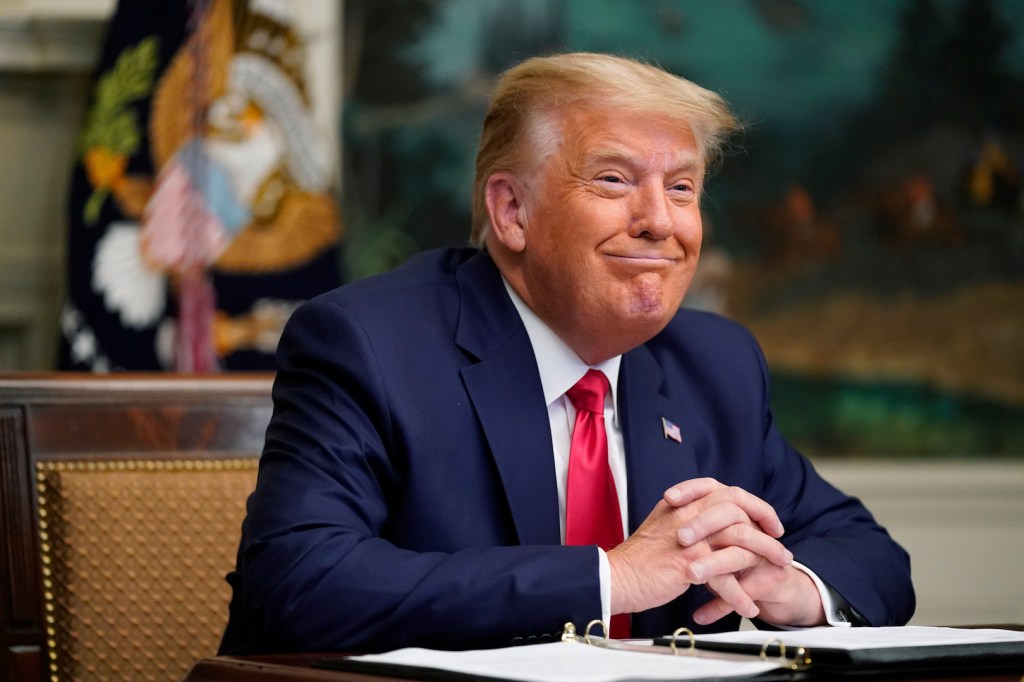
{"type": "Point", "coordinates": [201, 210]}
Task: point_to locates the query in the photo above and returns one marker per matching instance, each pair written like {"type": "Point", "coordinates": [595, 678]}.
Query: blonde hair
{"type": "Point", "coordinates": [520, 128]}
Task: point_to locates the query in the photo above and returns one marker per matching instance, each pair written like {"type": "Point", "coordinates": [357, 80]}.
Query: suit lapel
{"type": "Point", "coordinates": [504, 387]}
{"type": "Point", "coordinates": [653, 461]}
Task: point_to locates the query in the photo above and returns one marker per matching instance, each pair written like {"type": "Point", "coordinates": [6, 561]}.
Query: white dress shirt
{"type": "Point", "coordinates": [560, 368]}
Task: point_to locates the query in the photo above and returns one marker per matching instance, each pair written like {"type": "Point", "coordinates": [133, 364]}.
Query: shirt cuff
{"type": "Point", "coordinates": [604, 573]}
{"type": "Point", "coordinates": [830, 599]}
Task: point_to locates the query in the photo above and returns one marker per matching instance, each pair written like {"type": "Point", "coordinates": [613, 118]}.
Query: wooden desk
{"type": "Point", "coordinates": [300, 667]}
{"type": "Point", "coordinates": [265, 668]}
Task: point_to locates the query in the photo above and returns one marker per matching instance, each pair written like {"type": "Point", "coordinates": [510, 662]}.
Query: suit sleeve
{"type": "Point", "coordinates": [833, 534]}
{"type": "Point", "coordinates": [315, 570]}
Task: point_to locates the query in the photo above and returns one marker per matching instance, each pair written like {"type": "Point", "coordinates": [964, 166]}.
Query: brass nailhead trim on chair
{"type": "Point", "coordinates": [47, 501]}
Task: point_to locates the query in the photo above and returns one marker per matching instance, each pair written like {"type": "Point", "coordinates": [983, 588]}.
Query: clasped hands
{"type": "Point", "coordinates": [704, 532]}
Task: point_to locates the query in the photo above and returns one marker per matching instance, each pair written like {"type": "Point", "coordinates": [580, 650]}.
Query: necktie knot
{"type": "Point", "coordinates": [588, 393]}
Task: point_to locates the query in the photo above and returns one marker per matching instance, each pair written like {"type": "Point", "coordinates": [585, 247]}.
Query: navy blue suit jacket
{"type": "Point", "coordinates": [407, 495]}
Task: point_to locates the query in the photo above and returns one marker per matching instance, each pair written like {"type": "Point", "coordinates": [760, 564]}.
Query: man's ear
{"type": "Point", "coordinates": [503, 195]}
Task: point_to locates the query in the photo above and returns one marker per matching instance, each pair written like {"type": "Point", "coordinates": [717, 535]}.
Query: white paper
{"type": "Point", "coordinates": [853, 639]}
{"type": "Point", "coordinates": [560, 661]}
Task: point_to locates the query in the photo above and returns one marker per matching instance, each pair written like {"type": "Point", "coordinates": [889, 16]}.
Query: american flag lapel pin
{"type": "Point", "coordinates": [671, 431]}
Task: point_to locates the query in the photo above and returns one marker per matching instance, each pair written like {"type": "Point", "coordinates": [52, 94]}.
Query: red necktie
{"type": "Point", "coordinates": [592, 515]}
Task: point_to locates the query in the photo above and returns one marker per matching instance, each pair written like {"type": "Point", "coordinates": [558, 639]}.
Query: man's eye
{"type": "Point", "coordinates": [610, 178]}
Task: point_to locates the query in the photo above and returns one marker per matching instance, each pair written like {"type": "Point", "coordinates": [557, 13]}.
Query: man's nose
{"type": "Point", "coordinates": [651, 214]}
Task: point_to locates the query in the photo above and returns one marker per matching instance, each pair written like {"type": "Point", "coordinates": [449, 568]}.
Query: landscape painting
{"type": "Point", "coordinates": [868, 226]}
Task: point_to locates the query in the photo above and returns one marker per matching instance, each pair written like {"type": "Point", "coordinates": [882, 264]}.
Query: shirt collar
{"type": "Point", "coordinates": [560, 368]}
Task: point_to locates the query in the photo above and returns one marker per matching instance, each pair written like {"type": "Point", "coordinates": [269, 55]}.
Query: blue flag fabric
{"type": "Point", "coordinates": [200, 209]}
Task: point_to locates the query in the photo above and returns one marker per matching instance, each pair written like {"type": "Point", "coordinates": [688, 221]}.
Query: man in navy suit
{"type": "Point", "coordinates": [412, 489]}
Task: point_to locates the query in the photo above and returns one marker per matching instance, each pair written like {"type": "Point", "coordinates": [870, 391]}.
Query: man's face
{"type": "Point", "coordinates": [612, 230]}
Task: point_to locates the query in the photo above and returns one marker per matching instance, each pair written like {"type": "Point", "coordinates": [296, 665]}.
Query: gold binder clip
{"type": "Point", "coordinates": [801, 659]}
{"type": "Point", "coordinates": [693, 641]}
{"type": "Point", "coordinates": [590, 625]}
{"type": "Point", "coordinates": [768, 643]}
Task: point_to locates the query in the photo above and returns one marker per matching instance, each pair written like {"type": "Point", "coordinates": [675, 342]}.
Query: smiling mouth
{"type": "Point", "coordinates": [644, 260]}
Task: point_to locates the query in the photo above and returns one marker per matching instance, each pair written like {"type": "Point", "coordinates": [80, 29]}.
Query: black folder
{"type": "Point", "coordinates": [983, 650]}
